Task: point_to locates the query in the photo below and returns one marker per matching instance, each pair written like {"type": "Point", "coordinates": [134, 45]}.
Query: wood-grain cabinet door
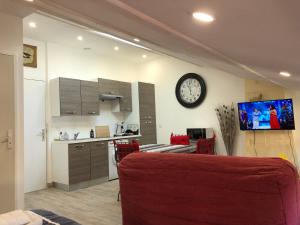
{"type": "Point", "coordinates": [79, 163]}
{"type": "Point", "coordinates": [126, 101]}
{"type": "Point", "coordinates": [70, 97]}
{"type": "Point", "coordinates": [89, 98]}
{"type": "Point", "coordinates": [108, 86]}
{"type": "Point", "coordinates": [147, 113]}
{"type": "Point", "coordinates": [99, 160]}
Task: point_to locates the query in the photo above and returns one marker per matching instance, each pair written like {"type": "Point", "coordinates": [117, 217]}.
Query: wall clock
{"type": "Point", "coordinates": [190, 90]}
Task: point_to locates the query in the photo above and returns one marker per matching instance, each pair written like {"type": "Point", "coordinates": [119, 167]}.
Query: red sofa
{"type": "Point", "coordinates": [189, 189]}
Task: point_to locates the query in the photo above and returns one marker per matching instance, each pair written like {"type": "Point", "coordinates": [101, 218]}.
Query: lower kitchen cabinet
{"type": "Point", "coordinates": [79, 163]}
{"type": "Point", "coordinates": [99, 159]}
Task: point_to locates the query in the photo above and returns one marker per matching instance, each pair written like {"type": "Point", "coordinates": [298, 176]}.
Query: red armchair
{"type": "Point", "coordinates": [191, 189]}
{"type": "Point", "coordinates": [122, 150]}
{"type": "Point", "coordinates": [206, 146]}
{"type": "Point", "coordinates": [179, 139]}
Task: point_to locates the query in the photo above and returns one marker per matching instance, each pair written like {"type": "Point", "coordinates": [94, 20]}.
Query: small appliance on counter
{"type": "Point", "coordinates": [119, 129]}
{"type": "Point", "coordinates": [132, 129]}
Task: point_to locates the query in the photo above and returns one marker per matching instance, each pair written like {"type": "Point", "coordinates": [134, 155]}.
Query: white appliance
{"type": "Point", "coordinates": [112, 165]}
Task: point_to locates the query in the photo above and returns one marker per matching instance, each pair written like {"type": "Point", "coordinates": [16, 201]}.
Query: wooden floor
{"type": "Point", "coordinates": [96, 205]}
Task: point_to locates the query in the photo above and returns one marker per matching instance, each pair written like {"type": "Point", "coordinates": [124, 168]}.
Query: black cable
{"type": "Point", "coordinates": [292, 148]}
{"type": "Point", "coordinates": [254, 143]}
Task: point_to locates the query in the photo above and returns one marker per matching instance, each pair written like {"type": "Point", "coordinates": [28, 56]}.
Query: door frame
{"type": "Point", "coordinates": [19, 126]}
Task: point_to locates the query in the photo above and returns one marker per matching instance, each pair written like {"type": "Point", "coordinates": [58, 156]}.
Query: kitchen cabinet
{"type": "Point", "coordinates": [125, 104]}
{"type": "Point", "coordinates": [89, 98]}
{"type": "Point", "coordinates": [79, 163]}
{"type": "Point", "coordinates": [88, 161]}
{"type": "Point", "coordinates": [99, 159]}
{"type": "Point", "coordinates": [113, 87]}
{"type": "Point", "coordinates": [147, 113]}
{"type": "Point", "coordinates": [71, 97]}
{"type": "Point", "coordinates": [83, 163]}
{"type": "Point", "coordinates": [108, 86]}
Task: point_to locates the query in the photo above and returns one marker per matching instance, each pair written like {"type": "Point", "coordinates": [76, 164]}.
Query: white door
{"type": "Point", "coordinates": [7, 118]}
{"type": "Point", "coordinates": [34, 136]}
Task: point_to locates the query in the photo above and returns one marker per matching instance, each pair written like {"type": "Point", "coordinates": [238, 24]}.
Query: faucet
{"type": "Point", "coordinates": [76, 135]}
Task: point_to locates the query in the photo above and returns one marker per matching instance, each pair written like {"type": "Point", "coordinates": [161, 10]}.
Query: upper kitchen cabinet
{"type": "Point", "coordinates": [65, 97]}
{"type": "Point", "coordinates": [126, 101]}
{"type": "Point", "coordinates": [109, 87]}
{"type": "Point", "coordinates": [89, 98]}
{"type": "Point", "coordinates": [71, 97]}
{"type": "Point", "coordinates": [117, 91]}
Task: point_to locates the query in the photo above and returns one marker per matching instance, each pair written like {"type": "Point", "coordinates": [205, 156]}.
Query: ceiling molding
{"type": "Point", "coordinates": [87, 21]}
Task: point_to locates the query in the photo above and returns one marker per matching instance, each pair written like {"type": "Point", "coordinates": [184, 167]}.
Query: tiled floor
{"type": "Point", "coordinates": [96, 205]}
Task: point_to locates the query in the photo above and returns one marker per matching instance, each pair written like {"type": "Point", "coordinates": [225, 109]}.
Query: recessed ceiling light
{"type": "Point", "coordinates": [29, 0]}
{"type": "Point", "coordinates": [203, 17]}
{"type": "Point", "coordinates": [32, 24]}
{"type": "Point", "coordinates": [79, 38]}
{"type": "Point", "coordinates": [137, 40]}
{"type": "Point", "coordinates": [144, 56]}
{"type": "Point", "coordinates": [116, 48]}
{"type": "Point", "coordinates": [285, 74]}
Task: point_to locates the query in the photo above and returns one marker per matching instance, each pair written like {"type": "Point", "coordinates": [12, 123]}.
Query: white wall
{"type": "Point", "coordinates": [11, 40]}
{"type": "Point", "coordinates": [223, 88]}
{"type": "Point", "coordinates": [81, 64]}
{"type": "Point", "coordinates": [38, 73]}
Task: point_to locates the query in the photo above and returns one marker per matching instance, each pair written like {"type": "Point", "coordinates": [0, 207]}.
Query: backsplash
{"type": "Point", "coordinates": [83, 124]}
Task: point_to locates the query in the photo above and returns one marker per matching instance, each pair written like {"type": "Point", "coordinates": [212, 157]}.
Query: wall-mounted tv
{"type": "Point", "coordinates": [267, 115]}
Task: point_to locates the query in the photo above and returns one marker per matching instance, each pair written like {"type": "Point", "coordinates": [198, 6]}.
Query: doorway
{"type": "Point", "coordinates": [35, 143]}
{"type": "Point", "coordinates": [34, 136]}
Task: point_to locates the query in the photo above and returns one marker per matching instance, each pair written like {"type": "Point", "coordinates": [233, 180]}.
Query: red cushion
{"type": "Point", "coordinates": [179, 139]}
{"type": "Point", "coordinates": [189, 189]}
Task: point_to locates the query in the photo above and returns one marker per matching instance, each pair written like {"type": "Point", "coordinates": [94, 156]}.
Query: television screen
{"type": "Point", "coordinates": [267, 115]}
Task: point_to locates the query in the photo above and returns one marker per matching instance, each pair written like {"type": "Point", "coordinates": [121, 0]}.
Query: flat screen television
{"type": "Point", "coordinates": [267, 115]}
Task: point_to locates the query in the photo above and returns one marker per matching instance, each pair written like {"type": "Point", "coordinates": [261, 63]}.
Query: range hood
{"type": "Point", "coordinates": [109, 97]}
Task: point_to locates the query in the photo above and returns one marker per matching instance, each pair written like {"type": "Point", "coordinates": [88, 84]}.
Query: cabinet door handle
{"type": "Point", "coordinates": [100, 144]}
{"type": "Point", "coordinates": [79, 146]}
{"type": "Point", "coordinates": [91, 113]}
{"type": "Point", "coordinates": [70, 112]}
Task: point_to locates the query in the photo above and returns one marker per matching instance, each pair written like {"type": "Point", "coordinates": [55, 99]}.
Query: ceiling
{"type": "Point", "coordinates": [59, 32]}
{"type": "Point", "coordinates": [249, 38]}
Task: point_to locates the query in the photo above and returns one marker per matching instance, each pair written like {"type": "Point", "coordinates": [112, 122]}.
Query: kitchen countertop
{"type": "Point", "coordinates": [84, 140]}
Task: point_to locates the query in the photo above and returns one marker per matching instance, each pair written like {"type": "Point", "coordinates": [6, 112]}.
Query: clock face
{"type": "Point", "coordinates": [190, 90]}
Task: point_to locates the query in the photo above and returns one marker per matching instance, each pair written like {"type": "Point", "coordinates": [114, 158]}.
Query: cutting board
{"type": "Point", "coordinates": [102, 131]}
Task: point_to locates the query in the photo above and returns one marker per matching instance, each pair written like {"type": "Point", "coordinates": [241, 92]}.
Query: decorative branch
{"type": "Point", "coordinates": [226, 117]}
